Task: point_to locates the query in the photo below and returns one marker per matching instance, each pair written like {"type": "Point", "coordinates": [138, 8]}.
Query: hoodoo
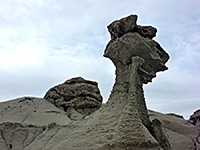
{"type": "Point", "coordinates": [71, 115]}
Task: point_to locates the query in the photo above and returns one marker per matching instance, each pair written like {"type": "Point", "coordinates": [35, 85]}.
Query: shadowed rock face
{"type": "Point", "coordinates": [129, 39]}
{"type": "Point", "coordinates": [128, 24]}
{"type": "Point", "coordinates": [76, 93]}
{"type": "Point", "coordinates": [195, 118]}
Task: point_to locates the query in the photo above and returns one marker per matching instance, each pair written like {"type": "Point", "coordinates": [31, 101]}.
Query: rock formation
{"type": "Point", "coordinates": [77, 95]}
{"type": "Point", "coordinates": [128, 40]}
{"type": "Point", "coordinates": [71, 117]}
{"type": "Point", "coordinates": [137, 58]}
{"type": "Point", "coordinates": [181, 134]}
{"type": "Point", "coordinates": [128, 24]}
{"type": "Point", "coordinates": [195, 118]}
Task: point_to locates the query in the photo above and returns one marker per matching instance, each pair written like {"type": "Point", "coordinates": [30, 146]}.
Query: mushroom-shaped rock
{"type": "Point", "coordinates": [137, 59]}
{"type": "Point", "coordinates": [76, 93]}
{"type": "Point", "coordinates": [132, 40]}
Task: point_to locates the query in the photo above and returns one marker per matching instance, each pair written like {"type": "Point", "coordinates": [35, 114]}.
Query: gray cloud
{"type": "Point", "coordinates": [43, 43]}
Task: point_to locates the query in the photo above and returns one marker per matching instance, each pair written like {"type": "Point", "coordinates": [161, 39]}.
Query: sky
{"type": "Point", "coordinates": [45, 42]}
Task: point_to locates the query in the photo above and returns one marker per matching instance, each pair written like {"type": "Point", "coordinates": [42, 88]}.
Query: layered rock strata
{"type": "Point", "coordinates": [77, 95]}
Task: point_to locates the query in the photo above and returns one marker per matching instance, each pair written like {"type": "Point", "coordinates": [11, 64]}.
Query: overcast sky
{"type": "Point", "coordinates": [45, 42]}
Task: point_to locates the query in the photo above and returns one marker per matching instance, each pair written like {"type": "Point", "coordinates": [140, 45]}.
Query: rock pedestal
{"type": "Point", "coordinates": [137, 58]}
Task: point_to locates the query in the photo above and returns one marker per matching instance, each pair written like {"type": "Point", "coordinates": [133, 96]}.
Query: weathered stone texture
{"type": "Point", "coordinates": [76, 93]}
{"type": "Point", "coordinates": [128, 24]}
{"type": "Point", "coordinates": [134, 40]}
{"type": "Point", "coordinates": [137, 59]}
{"type": "Point", "coordinates": [195, 118]}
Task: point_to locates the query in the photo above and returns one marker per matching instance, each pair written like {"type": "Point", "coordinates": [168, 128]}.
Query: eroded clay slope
{"type": "Point", "coordinates": [57, 131]}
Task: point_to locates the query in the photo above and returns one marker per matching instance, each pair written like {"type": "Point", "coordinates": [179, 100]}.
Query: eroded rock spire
{"type": "Point", "coordinates": [137, 59]}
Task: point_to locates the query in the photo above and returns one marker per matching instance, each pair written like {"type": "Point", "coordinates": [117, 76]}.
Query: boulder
{"type": "Point", "coordinates": [77, 95]}
{"type": "Point", "coordinates": [128, 24]}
